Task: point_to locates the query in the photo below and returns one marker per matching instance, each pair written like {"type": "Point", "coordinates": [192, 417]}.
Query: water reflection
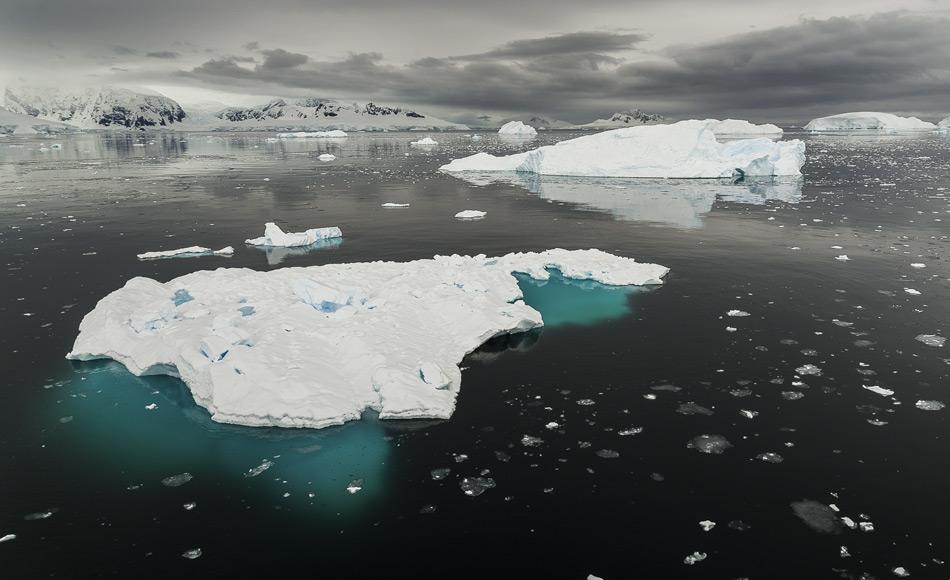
{"type": "Point", "coordinates": [677, 202]}
{"type": "Point", "coordinates": [276, 255]}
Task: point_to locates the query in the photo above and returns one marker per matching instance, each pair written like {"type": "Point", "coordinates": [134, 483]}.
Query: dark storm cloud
{"type": "Point", "coordinates": [575, 42]}
{"type": "Point", "coordinates": [163, 54]}
{"type": "Point", "coordinates": [281, 59]}
{"type": "Point", "coordinates": [252, 45]}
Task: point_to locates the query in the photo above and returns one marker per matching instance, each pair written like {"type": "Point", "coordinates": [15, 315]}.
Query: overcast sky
{"type": "Point", "coordinates": [761, 60]}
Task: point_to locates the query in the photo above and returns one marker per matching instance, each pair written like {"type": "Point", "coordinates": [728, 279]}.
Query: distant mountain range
{"type": "Point", "coordinates": [58, 110]}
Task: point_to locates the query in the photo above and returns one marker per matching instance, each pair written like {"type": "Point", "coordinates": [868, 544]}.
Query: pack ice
{"type": "Point", "coordinates": [316, 346]}
{"type": "Point", "coordinates": [277, 238]}
{"type": "Point", "coordinates": [868, 121]}
{"type": "Point", "coordinates": [687, 149]}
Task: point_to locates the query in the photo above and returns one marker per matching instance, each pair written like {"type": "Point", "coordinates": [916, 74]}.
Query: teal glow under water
{"type": "Point", "coordinates": [563, 301]}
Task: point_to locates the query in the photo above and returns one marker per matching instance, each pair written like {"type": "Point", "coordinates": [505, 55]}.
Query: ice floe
{"type": "Point", "coordinates": [687, 149]}
{"type": "Point", "coordinates": [334, 134]}
{"type": "Point", "coordinates": [326, 157]}
{"type": "Point", "coordinates": [868, 121]}
{"type": "Point", "coordinates": [277, 238]}
{"type": "Point", "coordinates": [424, 142]}
{"type": "Point", "coordinates": [189, 252]}
{"type": "Point", "coordinates": [470, 214]}
{"type": "Point", "coordinates": [322, 344]}
{"type": "Point", "coordinates": [517, 129]}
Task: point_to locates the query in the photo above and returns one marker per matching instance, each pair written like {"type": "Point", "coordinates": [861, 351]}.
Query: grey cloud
{"type": "Point", "coordinates": [252, 45]}
{"type": "Point", "coordinates": [279, 58]}
{"type": "Point", "coordinates": [163, 54]}
{"type": "Point", "coordinates": [123, 50]}
{"type": "Point", "coordinates": [574, 42]}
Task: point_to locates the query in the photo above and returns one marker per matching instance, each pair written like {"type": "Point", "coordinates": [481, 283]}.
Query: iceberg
{"type": "Point", "coordinates": [470, 214]}
{"type": "Point", "coordinates": [687, 149]}
{"type": "Point", "coordinates": [517, 129]}
{"type": "Point", "coordinates": [738, 127]}
{"type": "Point", "coordinates": [944, 125]}
{"type": "Point", "coordinates": [316, 346]}
{"type": "Point", "coordinates": [276, 237]}
{"type": "Point", "coordinates": [326, 157]}
{"type": "Point", "coordinates": [868, 121]}
{"type": "Point", "coordinates": [189, 252]}
{"type": "Point", "coordinates": [424, 142]}
{"type": "Point", "coordinates": [334, 134]}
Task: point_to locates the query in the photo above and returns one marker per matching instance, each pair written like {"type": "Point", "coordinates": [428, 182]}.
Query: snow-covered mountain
{"type": "Point", "coordinates": [17, 124]}
{"type": "Point", "coordinates": [624, 119]}
{"type": "Point", "coordinates": [96, 108]}
{"type": "Point", "coordinates": [324, 114]}
{"type": "Point", "coordinates": [539, 122]}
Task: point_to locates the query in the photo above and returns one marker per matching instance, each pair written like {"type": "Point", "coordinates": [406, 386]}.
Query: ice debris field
{"type": "Point", "coordinates": [316, 346]}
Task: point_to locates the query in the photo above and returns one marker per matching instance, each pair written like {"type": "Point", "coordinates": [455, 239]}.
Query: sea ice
{"type": "Point", "coordinates": [394, 205]}
{"type": "Point", "coordinates": [517, 129]}
{"type": "Point", "coordinates": [712, 444]}
{"type": "Point", "coordinates": [177, 480]}
{"type": "Point", "coordinates": [277, 238]}
{"type": "Point", "coordinates": [326, 157]}
{"type": "Point", "coordinates": [687, 149]}
{"type": "Point", "coordinates": [325, 343]}
{"type": "Point", "coordinates": [189, 252]}
{"type": "Point", "coordinates": [868, 121]}
{"type": "Point", "coordinates": [931, 339]}
{"type": "Point", "coordinates": [476, 486]}
{"type": "Point", "coordinates": [7, 538]}
{"type": "Point", "coordinates": [334, 134]}
{"type": "Point", "coordinates": [929, 405]}
{"type": "Point", "coordinates": [694, 558]}
{"type": "Point", "coordinates": [470, 214]}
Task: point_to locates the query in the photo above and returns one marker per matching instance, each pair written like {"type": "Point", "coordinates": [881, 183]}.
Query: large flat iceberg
{"type": "Point", "coordinates": [687, 149]}
{"type": "Point", "coordinates": [189, 252]}
{"type": "Point", "coordinates": [277, 238]}
{"type": "Point", "coordinates": [334, 134]}
{"type": "Point", "coordinates": [316, 346]}
{"type": "Point", "coordinates": [868, 121]}
{"type": "Point", "coordinates": [738, 127]}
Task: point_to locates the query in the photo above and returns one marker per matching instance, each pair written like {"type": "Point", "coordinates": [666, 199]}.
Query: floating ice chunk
{"type": "Point", "coordinates": [694, 558]}
{"type": "Point", "coordinates": [901, 572]}
{"type": "Point", "coordinates": [476, 486]}
{"type": "Point", "coordinates": [529, 441]}
{"type": "Point", "coordinates": [277, 238]}
{"type": "Point", "coordinates": [707, 525]}
{"type": "Point", "coordinates": [44, 515]}
{"type": "Point", "coordinates": [440, 473]}
{"type": "Point", "coordinates": [912, 291]}
{"type": "Point", "coordinates": [255, 471]}
{"type": "Point", "coordinates": [817, 516]}
{"type": "Point", "coordinates": [470, 214]}
{"type": "Point", "coordinates": [7, 538]}
{"type": "Point", "coordinates": [189, 252]}
{"type": "Point", "coordinates": [868, 121]}
{"type": "Point", "coordinates": [879, 390]}
{"type": "Point", "coordinates": [328, 342]}
{"type": "Point", "coordinates": [354, 486]}
{"type": "Point", "coordinates": [739, 127]}
{"type": "Point", "coordinates": [326, 157]}
{"type": "Point", "coordinates": [929, 405]}
{"type": "Point", "coordinates": [630, 431]}
{"type": "Point", "coordinates": [334, 134]}
{"type": "Point", "coordinates": [770, 457]}
{"type": "Point", "coordinates": [394, 205]}
{"type": "Point", "coordinates": [737, 313]}
{"type": "Point", "coordinates": [517, 129]}
{"type": "Point", "coordinates": [842, 258]}
{"type": "Point", "coordinates": [748, 414]}
{"type": "Point", "coordinates": [177, 480]}
{"type": "Point", "coordinates": [192, 554]}
{"type": "Point", "coordinates": [151, 407]}
{"type": "Point", "coordinates": [712, 444]}
{"type": "Point", "coordinates": [424, 142]}
{"type": "Point", "coordinates": [687, 149]}
{"type": "Point", "coordinates": [607, 454]}
{"type": "Point", "coordinates": [808, 369]}
{"type": "Point", "coordinates": [931, 339]}
{"type": "Point", "coordinates": [918, 265]}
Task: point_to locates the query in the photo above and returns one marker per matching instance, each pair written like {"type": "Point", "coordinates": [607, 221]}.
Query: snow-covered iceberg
{"type": "Point", "coordinates": [189, 252]}
{"type": "Point", "coordinates": [334, 134]}
{"type": "Point", "coordinates": [276, 237]}
{"type": "Point", "coordinates": [316, 346]}
{"type": "Point", "coordinates": [424, 142]}
{"type": "Point", "coordinates": [739, 127]}
{"type": "Point", "coordinates": [517, 129]}
{"type": "Point", "coordinates": [687, 149]}
{"type": "Point", "coordinates": [868, 121]}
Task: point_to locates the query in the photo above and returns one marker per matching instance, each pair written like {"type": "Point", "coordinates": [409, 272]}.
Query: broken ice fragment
{"type": "Point", "coordinates": [7, 538]}
{"type": "Point", "coordinates": [808, 369]}
{"type": "Point", "coordinates": [737, 313]}
{"type": "Point", "coordinates": [607, 454]}
{"type": "Point", "coordinates": [770, 457]}
{"type": "Point", "coordinates": [931, 339]}
{"type": "Point", "coordinates": [529, 441]}
{"type": "Point", "coordinates": [470, 214]}
{"type": "Point", "coordinates": [476, 486]}
{"type": "Point", "coordinates": [255, 471]}
{"type": "Point", "coordinates": [694, 558]}
{"type": "Point", "coordinates": [712, 444]}
{"type": "Point", "coordinates": [354, 486]}
{"type": "Point", "coordinates": [630, 431]}
{"type": "Point", "coordinates": [929, 405]}
{"type": "Point", "coordinates": [192, 554]}
{"type": "Point", "coordinates": [817, 516]}
{"type": "Point", "coordinates": [901, 572]}
{"type": "Point", "coordinates": [707, 525]}
{"type": "Point", "coordinates": [440, 473]}
{"type": "Point", "coordinates": [879, 390]}
{"type": "Point", "coordinates": [177, 480]}
{"type": "Point", "coordinates": [44, 515]}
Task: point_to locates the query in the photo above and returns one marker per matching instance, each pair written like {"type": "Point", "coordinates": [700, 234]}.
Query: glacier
{"type": "Point", "coordinates": [868, 121]}
{"type": "Point", "coordinates": [517, 129]}
{"type": "Point", "coordinates": [277, 238]}
{"type": "Point", "coordinates": [687, 149]}
{"type": "Point", "coordinates": [317, 346]}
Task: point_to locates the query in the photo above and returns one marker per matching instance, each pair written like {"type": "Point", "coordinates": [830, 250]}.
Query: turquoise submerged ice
{"type": "Point", "coordinates": [325, 343]}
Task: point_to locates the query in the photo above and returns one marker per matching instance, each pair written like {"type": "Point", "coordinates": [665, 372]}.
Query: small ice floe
{"type": "Point", "coordinates": [8, 538]}
{"type": "Point", "coordinates": [192, 554]}
{"type": "Point", "coordinates": [470, 214]}
{"type": "Point", "coordinates": [817, 516]}
{"type": "Point", "coordinates": [476, 486]}
{"type": "Point", "coordinates": [177, 480]}
{"type": "Point", "coordinates": [770, 457]}
{"type": "Point", "coordinates": [326, 157]}
{"type": "Point", "coordinates": [844, 552]}
{"type": "Point", "coordinates": [190, 506]}
{"type": "Point", "coordinates": [842, 258]}
{"type": "Point", "coordinates": [43, 515]}
{"type": "Point", "coordinates": [694, 558]}
{"type": "Point", "coordinates": [394, 205]}
{"type": "Point", "coordinates": [931, 339]}
{"type": "Point", "coordinates": [276, 238]}
{"type": "Point", "coordinates": [630, 431]}
{"type": "Point", "coordinates": [440, 473]}
{"type": "Point", "coordinates": [866, 526]}
{"type": "Point", "coordinates": [737, 313]}
{"type": "Point", "coordinates": [427, 509]}
{"type": "Point", "coordinates": [707, 525]}
{"type": "Point", "coordinates": [255, 471]}
{"type": "Point", "coordinates": [691, 408]}
{"type": "Point", "coordinates": [151, 407]}
{"type": "Point", "coordinates": [189, 252]}
{"type": "Point", "coordinates": [879, 390]}
{"type": "Point", "coordinates": [354, 486]}
{"type": "Point", "coordinates": [918, 265]}
{"type": "Point", "coordinates": [748, 414]}
{"type": "Point", "coordinates": [912, 291]}
{"type": "Point", "coordinates": [334, 134]}
{"type": "Point", "coordinates": [808, 369]}
{"type": "Point", "coordinates": [901, 572]}
{"type": "Point", "coordinates": [552, 425]}
{"type": "Point", "coordinates": [424, 142]}
{"type": "Point", "coordinates": [712, 444]}
{"type": "Point", "coordinates": [929, 405]}
{"type": "Point", "coordinates": [607, 454]}
{"type": "Point", "coordinates": [529, 441]}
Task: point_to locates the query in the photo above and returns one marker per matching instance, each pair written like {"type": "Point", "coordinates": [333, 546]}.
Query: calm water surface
{"type": "Point", "coordinates": [618, 386]}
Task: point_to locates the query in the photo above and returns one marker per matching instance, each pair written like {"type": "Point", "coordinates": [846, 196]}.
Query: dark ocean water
{"type": "Point", "coordinates": [630, 377]}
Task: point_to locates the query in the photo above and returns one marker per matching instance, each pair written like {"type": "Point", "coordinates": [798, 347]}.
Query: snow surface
{"type": "Point", "coordinates": [738, 127]}
{"type": "Point", "coordinates": [868, 121]}
{"type": "Point", "coordinates": [334, 134]}
{"type": "Point", "coordinates": [687, 149]}
{"type": "Point", "coordinates": [321, 344]}
{"type": "Point", "coordinates": [277, 238]}
{"type": "Point", "coordinates": [19, 124]}
{"type": "Point", "coordinates": [517, 129]}
{"type": "Point", "coordinates": [189, 252]}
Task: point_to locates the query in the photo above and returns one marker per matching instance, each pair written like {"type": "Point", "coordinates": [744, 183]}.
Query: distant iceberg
{"type": "Point", "coordinates": [868, 121]}
{"type": "Point", "coordinates": [517, 129]}
{"type": "Point", "coordinates": [316, 346]}
{"type": "Point", "coordinates": [424, 142]}
{"type": "Point", "coordinates": [687, 149]}
{"type": "Point", "coordinates": [189, 252]}
{"type": "Point", "coordinates": [276, 237]}
{"type": "Point", "coordinates": [334, 134]}
{"type": "Point", "coordinates": [738, 127]}
{"type": "Point", "coordinates": [945, 124]}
